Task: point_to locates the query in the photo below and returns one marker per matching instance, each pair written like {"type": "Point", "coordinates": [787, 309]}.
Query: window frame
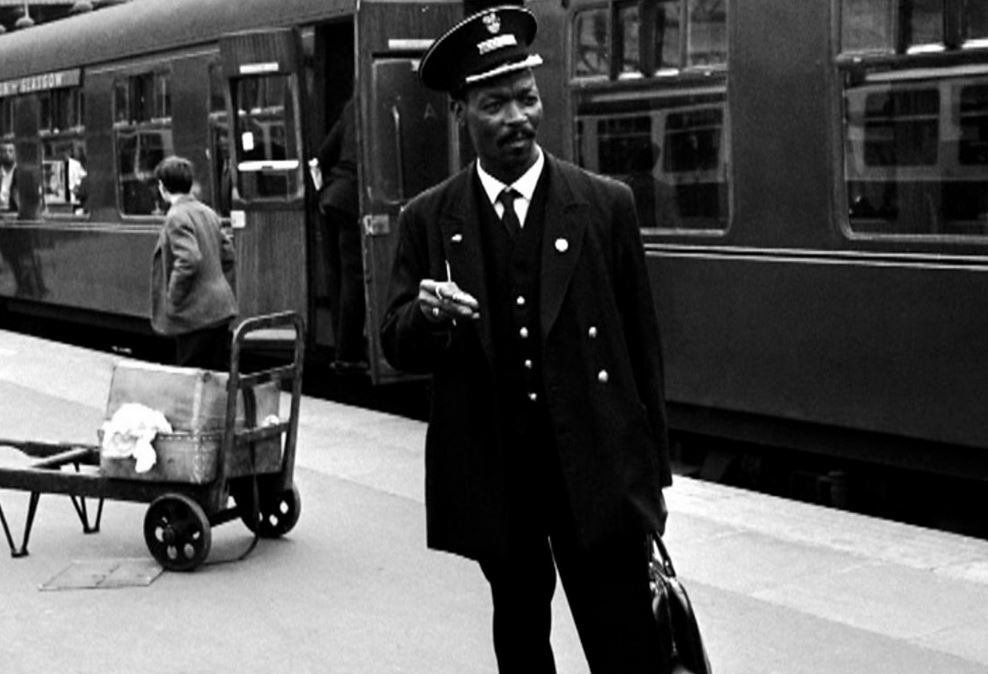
{"type": "Point", "coordinates": [159, 120]}
{"type": "Point", "coordinates": [938, 65]}
{"type": "Point", "coordinates": [595, 97]}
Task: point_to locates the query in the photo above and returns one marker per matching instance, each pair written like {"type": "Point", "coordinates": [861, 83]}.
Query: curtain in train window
{"type": "Point", "coordinates": [590, 43]}
{"type": "Point", "coordinates": [916, 157]}
{"type": "Point", "coordinates": [268, 163]}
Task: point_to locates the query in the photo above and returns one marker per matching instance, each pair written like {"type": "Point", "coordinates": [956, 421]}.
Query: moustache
{"type": "Point", "coordinates": [514, 136]}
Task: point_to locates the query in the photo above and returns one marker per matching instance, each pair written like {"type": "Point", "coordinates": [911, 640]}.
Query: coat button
{"type": "Point", "coordinates": [520, 300]}
{"type": "Point", "coordinates": [602, 376]}
{"type": "Point", "coordinates": [523, 333]}
{"type": "Point", "coordinates": [592, 332]}
{"type": "Point", "coordinates": [528, 363]}
{"type": "Point", "coordinates": [533, 396]}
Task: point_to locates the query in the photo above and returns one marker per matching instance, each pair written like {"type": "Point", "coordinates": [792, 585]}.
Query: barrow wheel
{"type": "Point", "coordinates": [277, 513]}
{"type": "Point", "coordinates": [177, 532]}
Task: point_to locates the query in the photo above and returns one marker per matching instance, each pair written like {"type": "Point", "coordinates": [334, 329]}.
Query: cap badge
{"type": "Point", "coordinates": [493, 23]}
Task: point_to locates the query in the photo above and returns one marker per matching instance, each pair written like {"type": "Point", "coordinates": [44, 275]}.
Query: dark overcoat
{"type": "Point", "coordinates": [602, 365]}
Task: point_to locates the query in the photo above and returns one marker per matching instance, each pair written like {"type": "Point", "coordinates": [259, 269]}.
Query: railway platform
{"type": "Point", "coordinates": [779, 586]}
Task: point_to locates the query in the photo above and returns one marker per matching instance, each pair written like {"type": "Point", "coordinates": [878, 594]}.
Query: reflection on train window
{"type": "Point", "coordinates": [138, 153]}
{"type": "Point", "coordinates": [408, 123]}
{"type": "Point", "coordinates": [707, 21]}
{"type": "Point", "coordinates": [221, 174]}
{"type": "Point", "coordinates": [63, 148]}
{"type": "Point", "coordinates": [976, 23]}
{"type": "Point", "coordinates": [629, 26]}
{"type": "Point", "coordinates": [912, 26]}
{"type": "Point", "coordinates": [667, 35]}
{"type": "Point", "coordinates": [649, 37]}
{"type": "Point", "coordinates": [901, 127]}
{"type": "Point", "coordinates": [590, 43]}
{"type": "Point", "coordinates": [143, 137]}
{"type": "Point", "coordinates": [866, 25]}
{"type": "Point", "coordinates": [916, 157]}
{"type": "Point", "coordinates": [674, 159]}
{"type": "Point", "coordinates": [923, 22]}
{"type": "Point", "coordinates": [268, 164]}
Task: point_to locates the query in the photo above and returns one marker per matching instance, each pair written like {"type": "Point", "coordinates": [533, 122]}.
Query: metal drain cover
{"type": "Point", "coordinates": [104, 574]}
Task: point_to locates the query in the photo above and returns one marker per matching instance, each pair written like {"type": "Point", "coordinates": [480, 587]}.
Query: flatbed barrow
{"type": "Point", "coordinates": [178, 521]}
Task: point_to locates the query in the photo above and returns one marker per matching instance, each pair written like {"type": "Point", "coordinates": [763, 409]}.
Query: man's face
{"type": "Point", "coordinates": [502, 117]}
{"type": "Point", "coordinates": [7, 155]}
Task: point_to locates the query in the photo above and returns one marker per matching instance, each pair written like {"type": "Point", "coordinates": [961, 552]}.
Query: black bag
{"type": "Point", "coordinates": [675, 622]}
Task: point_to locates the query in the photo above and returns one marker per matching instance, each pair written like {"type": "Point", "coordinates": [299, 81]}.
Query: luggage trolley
{"type": "Point", "coordinates": [253, 462]}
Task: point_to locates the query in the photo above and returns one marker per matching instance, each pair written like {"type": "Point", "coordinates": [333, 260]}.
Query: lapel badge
{"type": "Point", "coordinates": [456, 238]}
{"type": "Point", "coordinates": [562, 245]}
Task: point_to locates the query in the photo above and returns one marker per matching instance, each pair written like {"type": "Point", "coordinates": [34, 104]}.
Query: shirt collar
{"type": "Point", "coordinates": [525, 185]}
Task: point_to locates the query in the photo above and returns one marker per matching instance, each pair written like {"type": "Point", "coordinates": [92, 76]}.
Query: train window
{"type": "Point", "coordinates": [63, 149]}
{"type": "Point", "coordinates": [665, 135]}
{"type": "Point", "coordinates": [667, 36]}
{"type": "Point", "coordinates": [673, 159]}
{"type": "Point", "coordinates": [916, 157]}
{"type": "Point", "coordinates": [867, 25]}
{"type": "Point", "coordinates": [629, 26]}
{"type": "Point", "coordinates": [143, 137]}
{"type": "Point", "coordinates": [915, 123]}
{"type": "Point", "coordinates": [219, 150]}
{"type": "Point", "coordinates": [976, 20]}
{"type": "Point", "coordinates": [6, 117]}
{"type": "Point", "coordinates": [922, 23]}
{"type": "Point", "coordinates": [590, 43]}
{"type": "Point", "coordinates": [913, 26]}
{"type": "Point", "coordinates": [707, 22]}
{"type": "Point", "coordinates": [269, 166]}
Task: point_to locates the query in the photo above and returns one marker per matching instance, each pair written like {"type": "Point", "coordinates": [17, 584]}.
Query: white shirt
{"type": "Point", "coordinates": [525, 186]}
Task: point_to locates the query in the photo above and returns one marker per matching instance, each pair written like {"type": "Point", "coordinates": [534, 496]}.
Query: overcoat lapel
{"type": "Point", "coordinates": [459, 225]}
{"type": "Point", "coordinates": [565, 226]}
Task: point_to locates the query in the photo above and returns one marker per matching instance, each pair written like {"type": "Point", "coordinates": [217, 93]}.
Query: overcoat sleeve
{"type": "Point", "coordinates": [640, 324]}
{"type": "Point", "coordinates": [411, 342]}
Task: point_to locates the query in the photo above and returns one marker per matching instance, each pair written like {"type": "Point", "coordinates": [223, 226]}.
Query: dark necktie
{"type": "Point", "coordinates": [510, 218]}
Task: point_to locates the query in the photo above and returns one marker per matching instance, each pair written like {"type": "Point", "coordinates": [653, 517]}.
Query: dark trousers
{"type": "Point", "coordinates": [208, 348]}
{"type": "Point", "coordinates": [346, 286]}
{"type": "Point", "coordinates": [606, 587]}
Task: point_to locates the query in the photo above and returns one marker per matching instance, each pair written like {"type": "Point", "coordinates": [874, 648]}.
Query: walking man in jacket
{"type": "Point", "coordinates": [520, 284]}
{"type": "Point", "coordinates": [192, 273]}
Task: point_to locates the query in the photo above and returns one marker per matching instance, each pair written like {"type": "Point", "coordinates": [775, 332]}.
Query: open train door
{"type": "Point", "coordinates": [407, 147]}
{"type": "Point", "coordinates": [263, 71]}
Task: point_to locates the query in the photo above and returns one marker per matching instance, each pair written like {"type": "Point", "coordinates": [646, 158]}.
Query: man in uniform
{"type": "Point", "coordinates": [520, 284]}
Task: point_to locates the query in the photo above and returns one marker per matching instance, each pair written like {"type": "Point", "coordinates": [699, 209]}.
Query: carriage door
{"type": "Point", "coordinates": [405, 150]}
{"type": "Point", "coordinates": [268, 205]}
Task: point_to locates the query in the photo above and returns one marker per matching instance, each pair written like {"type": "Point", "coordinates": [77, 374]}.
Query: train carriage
{"type": "Point", "coordinates": [811, 180]}
{"type": "Point", "coordinates": [247, 90]}
{"type": "Point", "coordinates": [821, 273]}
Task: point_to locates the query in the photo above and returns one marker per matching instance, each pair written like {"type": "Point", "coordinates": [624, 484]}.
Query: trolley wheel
{"type": "Point", "coordinates": [177, 532]}
{"type": "Point", "coordinates": [277, 513]}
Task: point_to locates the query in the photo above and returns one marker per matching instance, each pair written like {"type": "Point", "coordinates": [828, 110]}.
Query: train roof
{"type": "Point", "coordinates": [147, 26]}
